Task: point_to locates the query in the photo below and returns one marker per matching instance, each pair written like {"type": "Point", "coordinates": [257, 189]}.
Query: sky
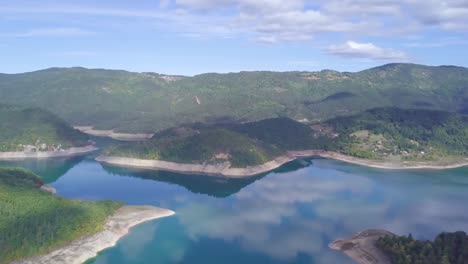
{"type": "Point", "coordinates": [189, 37]}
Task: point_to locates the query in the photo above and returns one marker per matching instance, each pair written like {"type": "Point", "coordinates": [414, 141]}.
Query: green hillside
{"type": "Point", "coordinates": [148, 102]}
{"type": "Point", "coordinates": [32, 221]}
{"type": "Point", "coordinates": [35, 127]}
{"type": "Point", "coordinates": [379, 133]}
{"type": "Point", "coordinates": [200, 144]}
{"type": "Point", "coordinates": [404, 134]}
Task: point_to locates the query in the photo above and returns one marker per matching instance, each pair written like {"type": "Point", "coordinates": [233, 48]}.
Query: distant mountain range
{"type": "Point", "coordinates": [148, 102]}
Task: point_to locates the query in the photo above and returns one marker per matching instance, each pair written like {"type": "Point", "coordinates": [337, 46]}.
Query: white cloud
{"type": "Point", "coordinates": [75, 53]}
{"type": "Point", "coordinates": [276, 21]}
{"type": "Point", "coordinates": [55, 32]}
{"type": "Point", "coordinates": [352, 49]}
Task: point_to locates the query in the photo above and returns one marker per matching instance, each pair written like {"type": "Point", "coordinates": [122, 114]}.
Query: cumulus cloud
{"type": "Point", "coordinates": [276, 21]}
{"type": "Point", "coordinates": [352, 49]}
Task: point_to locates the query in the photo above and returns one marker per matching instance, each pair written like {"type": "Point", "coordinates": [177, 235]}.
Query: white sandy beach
{"type": "Point", "coordinates": [116, 227]}
{"type": "Point", "coordinates": [77, 151]}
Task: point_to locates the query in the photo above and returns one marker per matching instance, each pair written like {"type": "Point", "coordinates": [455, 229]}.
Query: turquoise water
{"type": "Point", "coordinates": [286, 216]}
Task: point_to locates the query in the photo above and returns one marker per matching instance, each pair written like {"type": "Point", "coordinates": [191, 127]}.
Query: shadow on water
{"type": "Point", "coordinates": [219, 187]}
{"type": "Point", "coordinates": [50, 170]}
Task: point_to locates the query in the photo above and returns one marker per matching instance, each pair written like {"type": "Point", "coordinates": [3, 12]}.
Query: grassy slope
{"type": "Point", "coordinates": [145, 102]}
{"type": "Point", "coordinates": [33, 222]}
{"type": "Point", "coordinates": [28, 125]}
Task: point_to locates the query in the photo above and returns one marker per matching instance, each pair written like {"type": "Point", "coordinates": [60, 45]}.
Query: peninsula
{"type": "Point", "coordinates": [38, 134]}
{"type": "Point", "coordinates": [59, 230]}
{"type": "Point", "coordinates": [375, 246]}
{"type": "Point", "coordinates": [386, 138]}
{"type": "Point", "coordinates": [116, 226]}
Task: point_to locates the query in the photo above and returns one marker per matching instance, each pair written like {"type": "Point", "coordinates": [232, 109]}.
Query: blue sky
{"type": "Point", "coordinates": [196, 36]}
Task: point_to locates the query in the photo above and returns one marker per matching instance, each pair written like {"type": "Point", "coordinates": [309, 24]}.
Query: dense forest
{"type": "Point", "coordinates": [200, 144]}
{"type": "Point", "coordinates": [149, 102]}
{"type": "Point", "coordinates": [409, 133]}
{"type": "Point", "coordinates": [32, 221]}
{"type": "Point", "coordinates": [36, 128]}
{"type": "Point", "coordinates": [447, 248]}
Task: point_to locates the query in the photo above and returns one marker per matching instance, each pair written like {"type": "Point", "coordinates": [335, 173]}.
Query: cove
{"type": "Point", "coordinates": [285, 216]}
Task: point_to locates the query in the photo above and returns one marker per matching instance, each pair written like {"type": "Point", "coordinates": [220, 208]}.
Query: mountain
{"type": "Point", "coordinates": [22, 128]}
{"type": "Point", "coordinates": [148, 102]}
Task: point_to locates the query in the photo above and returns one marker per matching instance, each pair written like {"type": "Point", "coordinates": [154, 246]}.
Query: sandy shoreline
{"type": "Point", "coordinates": [77, 151]}
{"type": "Point", "coordinates": [116, 227]}
{"type": "Point", "coordinates": [361, 247]}
{"type": "Point", "coordinates": [115, 135]}
{"type": "Point", "coordinates": [225, 170]}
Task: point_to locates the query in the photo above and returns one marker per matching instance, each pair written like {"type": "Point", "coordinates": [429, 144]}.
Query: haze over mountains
{"type": "Point", "coordinates": [147, 102]}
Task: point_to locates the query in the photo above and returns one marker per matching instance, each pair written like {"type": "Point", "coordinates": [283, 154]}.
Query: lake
{"type": "Point", "coordinates": [287, 216]}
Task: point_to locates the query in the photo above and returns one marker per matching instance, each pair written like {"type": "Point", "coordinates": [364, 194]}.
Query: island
{"type": "Point", "coordinates": [383, 247]}
{"type": "Point", "coordinates": [39, 227]}
{"type": "Point", "coordinates": [387, 138]}
{"type": "Point", "coordinates": [36, 133]}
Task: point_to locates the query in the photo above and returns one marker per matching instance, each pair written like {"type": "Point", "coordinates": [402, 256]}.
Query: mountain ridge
{"type": "Point", "coordinates": [149, 102]}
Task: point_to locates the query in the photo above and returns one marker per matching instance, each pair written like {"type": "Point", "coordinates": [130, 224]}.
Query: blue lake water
{"type": "Point", "coordinates": [286, 216]}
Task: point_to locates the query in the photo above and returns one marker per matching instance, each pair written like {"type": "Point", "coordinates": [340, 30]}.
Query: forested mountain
{"type": "Point", "coordinates": [148, 102]}
{"type": "Point", "coordinates": [23, 128]}
{"type": "Point", "coordinates": [32, 221]}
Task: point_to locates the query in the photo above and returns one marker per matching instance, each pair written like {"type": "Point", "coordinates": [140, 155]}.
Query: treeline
{"type": "Point", "coordinates": [447, 248]}
{"type": "Point", "coordinates": [33, 222]}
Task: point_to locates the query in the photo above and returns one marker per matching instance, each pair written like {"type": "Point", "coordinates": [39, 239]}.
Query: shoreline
{"type": "Point", "coordinates": [361, 247]}
{"type": "Point", "coordinates": [76, 151]}
{"type": "Point", "coordinates": [224, 170]}
{"type": "Point", "coordinates": [114, 135]}
{"type": "Point", "coordinates": [403, 165]}
{"type": "Point", "coordinates": [116, 227]}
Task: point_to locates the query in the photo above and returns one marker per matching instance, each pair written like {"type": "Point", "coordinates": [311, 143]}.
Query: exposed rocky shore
{"type": "Point", "coordinates": [225, 170]}
{"type": "Point", "coordinates": [76, 151]}
{"type": "Point", "coordinates": [115, 135]}
{"type": "Point", "coordinates": [221, 169]}
{"type": "Point", "coordinates": [361, 247]}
